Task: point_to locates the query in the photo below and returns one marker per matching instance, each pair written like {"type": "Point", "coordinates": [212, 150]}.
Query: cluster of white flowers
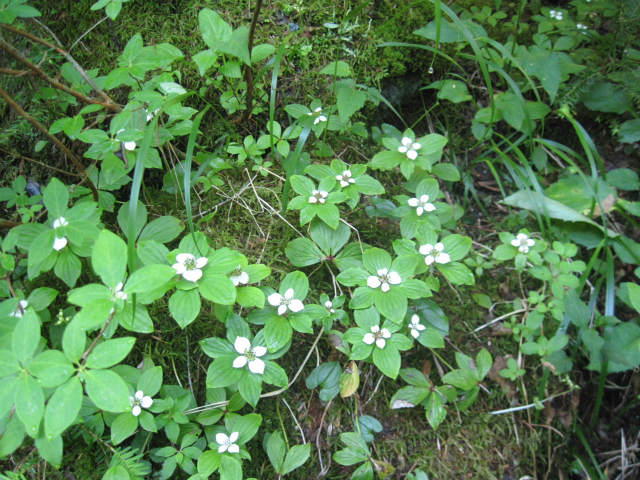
{"type": "Point", "coordinates": [409, 147]}
{"type": "Point", "coordinates": [118, 294]}
{"type": "Point", "coordinates": [139, 401]}
{"type": "Point", "coordinates": [318, 196]}
{"type": "Point", "coordinates": [19, 311]}
{"type": "Point", "coordinates": [59, 242]}
{"type": "Point", "coordinates": [377, 335]}
{"type": "Point", "coordinates": [434, 253]}
{"type": "Point", "coordinates": [189, 266]}
{"type": "Point", "coordinates": [421, 204]}
{"type": "Point", "coordinates": [581, 26]}
{"type": "Point", "coordinates": [523, 243]}
{"type": "Point", "coordinates": [227, 443]}
{"type": "Point", "coordinates": [415, 327]}
{"type": "Point", "coordinates": [286, 302]}
{"type": "Point", "coordinates": [555, 14]}
{"type": "Point", "coordinates": [249, 355]}
{"type": "Point", "coordinates": [329, 306]}
{"type": "Point", "coordinates": [384, 279]}
{"type": "Point", "coordinates": [239, 276]}
{"type": "Point", "coordinates": [346, 178]}
{"type": "Point", "coordinates": [320, 116]}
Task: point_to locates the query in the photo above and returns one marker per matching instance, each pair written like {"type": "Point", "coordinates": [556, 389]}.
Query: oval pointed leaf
{"type": "Point", "coordinates": [63, 408]}
{"type": "Point", "coordinates": [110, 352]}
{"type": "Point", "coordinates": [107, 390]}
{"type": "Point", "coordinates": [109, 258]}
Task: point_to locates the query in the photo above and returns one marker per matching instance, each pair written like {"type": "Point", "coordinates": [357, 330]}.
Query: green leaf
{"type": "Point", "coordinates": [250, 297]}
{"type": "Point", "coordinates": [276, 450]}
{"type": "Point", "coordinates": [213, 28]}
{"type": "Point", "coordinates": [109, 258]}
{"type": "Point", "coordinates": [68, 267]}
{"type": "Point", "coordinates": [150, 381]}
{"type": "Point", "coordinates": [184, 306]}
{"type": "Point", "coordinates": [274, 374]}
{"type": "Point", "coordinates": [51, 367]}
{"type": "Point", "coordinates": [110, 352]}
{"type": "Point", "coordinates": [50, 449]}
{"type": "Point", "coordinates": [245, 425]}
{"type": "Point", "coordinates": [457, 273]}
{"type": "Point", "coordinates": [608, 97]}
{"type": "Point", "coordinates": [302, 252]}
{"type": "Point", "coordinates": [123, 218]}
{"type": "Point", "coordinates": [162, 229]}
{"type": "Point", "coordinates": [237, 45]}
{"type": "Point", "coordinates": [74, 340]}
{"type": "Point", "coordinates": [230, 468]}
{"type": "Point", "coordinates": [221, 372]}
{"type": "Point", "coordinates": [460, 378]}
{"type": "Point", "coordinates": [298, 281]}
{"type": "Point", "coordinates": [55, 197]}
{"type": "Point", "coordinates": [326, 375]}
{"type": "Point", "coordinates": [12, 437]}
{"type": "Point", "coordinates": [434, 410]}
{"type": "Point", "coordinates": [387, 360]}
{"type": "Point", "coordinates": [123, 427]}
{"type": "Point", "coordinates": [338, 68]}
{"type": "Point", "coordinates": [29, 403]}
{"type": "Point", "coordinates": [277, 332]}
{"type": "Point", "coordinates": [376, 258]}
{"type": "Point", "coordinates": [218, 289]}
{"type": "Point", "coordinates": [149, 277]}
{"type": "Point", "coordinates": [328, 239]}
{"type": "Point", "coordinates": [107, 390]}
{"type": "Point", "coordinates": [26, 337]}
{"type": "Point", "coordinates": [483, 363]}
{"type": "Point", "coordinates": [209, 462]}
{"type": "Point", "coordinates": [391, 304]}
{"type": "Point", "coordinates": [452, 90]}
{"type": "Point", "coordinates": [296, 457]}
{"type": "Point", "coordinates": [94, 314]}
{"type": "Point", "coordinates": [42, 297]}
{"type": "Point", "coordinates": [349, 98]}
{"type": "Point", "coordinates": [446, 171]}
{"type": "Point", "coordinates": [63, 408]}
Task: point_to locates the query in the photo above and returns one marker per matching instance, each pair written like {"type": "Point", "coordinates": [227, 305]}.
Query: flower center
{"type": "Point", "coordinates": [251, 356]}
{"type": "Point", "coordinates": [190, 263]}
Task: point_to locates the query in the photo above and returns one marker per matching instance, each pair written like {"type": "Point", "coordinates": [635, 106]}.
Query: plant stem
{"type": "Point", "coordinates": [12, 103]}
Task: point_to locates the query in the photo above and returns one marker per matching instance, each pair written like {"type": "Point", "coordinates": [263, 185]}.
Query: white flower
{"type": "Point", "coordinates": [409, 147]}
{"type": "Point", "coordinates": [415, 326]}
{"type": "Point", "coordinates": [59, 243]}
{"type": "Point", "coordinates": [377, 335]}
{"type": "Point", "coordinates": [227, 444]}
{"type": "Point", "coordinates": [318, 196]}
{"type": "Point", "coordinates": [421, 204]}
{"type": "Point", "coordinates": [118, 293]}
{"type": "Point", "coordinates": [248, 355]}
{"type": "Point", "coordinates": [383, 279]}
{"type": "Point", "coordinates": [555, 14]}
{"type": "Point", "coordinates": [19, 311]}
{"type": "Point", "coordinates": [139, 401]}
{"type": "Point", "coordinates": [285, 302]}
{"type": "Point", "coordinates": [329, 306]}
{"type": "Point", "coordinates": [150, 115]}
{"type": "Point", "coordinates": [434, 253]}
{"type": "Point", "coordinates": [320, 117]}
{"type": "Point", "coordinates": [522, 242]}
{"type": "Point", "coordinates": [582, 26]}
{"type": "Point", "coordinates": [131, 145]}
{"type": "Point", "coordinates": [239, 277]}
{"type": "Point", "coordinates": [60, 222]}
{"type": "Point", "coordinates": [189, 267]}
{"type": "Point", "coordinates": [346, 178]}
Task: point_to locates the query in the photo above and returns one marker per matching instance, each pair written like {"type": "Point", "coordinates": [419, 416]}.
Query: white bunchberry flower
{"type": "Point", "coordinates": [556, 14]}
{"type": "Point", "coordinates": [329, 306]}
{"type": "Point", "coordinates": [227, 443]}
{"type": "Point", "coordinates": [19, 311]}
{"type": "Point", "coordinates": [415, 326]}
{"type": "Point", "coordinates": [384, 279]}
{"type": "Point", "coordinates": [318, 196]}
{"type": "Point", "coordinates": [239, 277]}
{"type": "Point", "coordinates": [59, 243]}
{"type": "Point", "coordinates": [189, 267]}
{"type": "Point", "coordinates": [582, 26]}
{"type": "Point", "coordinates": [346, 178]}
{"type": "Point", "coordinates": [320, 117]}
{"type": "Point", "coordinates": [377, 335]}
{"type": "Point", "coordinates": [421, 204]}
{"type": "Point", "coordinates": [286, 302]}
{"type": "Point", "coordinates": [130, 145]}
{"type": "Point", "coordinates": [150, 115]}
{"type": "Point", "coordinates": [249, 355]}
{"type": "Point", "coordinates": [60, 222]}
{"type": "Point", "coordinates": [118, 293]}
{"type": "Point", "coordinates": [434, 253]}
{"type": "Point", "coordinates": [409, 147]}
{"type": "Point", "coordinates": [522, 242]}
{"type": "Point", "coordinates": [139, 401]}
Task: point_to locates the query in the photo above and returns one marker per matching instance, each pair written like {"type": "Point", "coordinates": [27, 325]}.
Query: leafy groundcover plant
{"type": "Point", "coordinates": [88, 275]}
